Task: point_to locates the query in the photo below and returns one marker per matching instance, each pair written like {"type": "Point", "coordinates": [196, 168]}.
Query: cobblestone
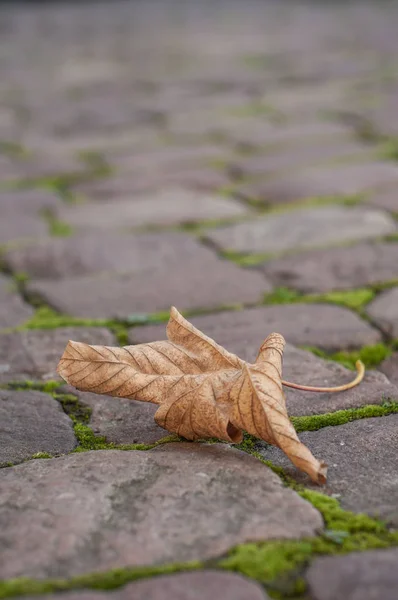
{"type": "Point", "coordinates": [287, 158]}
{"type": "Point", "coordinates": [168, 207]}
{"type": "Point", "coordinates": [388, 200]}
{"type": "Point", "coordinates": [187, 586]}
{"type": "Point", "coordinates": [384, 311]}
{"type": "Point", "coordinates": [360, 576]}
{"type": "Point", "coordinates": [119, 420]}
{"type": "Point", "coordinates": [362, 451]}
{"type": "Point", "coordinates": [161, 497]}
{"type": "Point", "coordinates": [34, 354]}
{"type": "Point", "coordinates": [243, 332]}
{"type": "Point", "coordinates": [325, 181]}
{"type": "Point", "coordinates": [390, 367]}
{"type": "Point", "coordinates": [224, 113]}
{"type": "Point", "coordinates": [319, 270]}
{"type": "Point", "coordinates": [31, 423]}
{"type": "Point", "coordinates": [305, 228]}
{"type": "Point", "coordinates": [164, 269]}
{"type": "Point", "coordinates": [13, 310]}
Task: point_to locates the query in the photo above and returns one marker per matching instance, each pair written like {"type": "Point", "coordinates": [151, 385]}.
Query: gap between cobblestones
{"type": "Point", "coordinates": [355, 300]}
{"type": "Point", "coordinates": [80, 415]}
{"type": "Point", "coordinates": [278, 565]}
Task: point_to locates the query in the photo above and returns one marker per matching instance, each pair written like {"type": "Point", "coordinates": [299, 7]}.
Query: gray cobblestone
{"type": "Point", "coordinates": [305, 228]}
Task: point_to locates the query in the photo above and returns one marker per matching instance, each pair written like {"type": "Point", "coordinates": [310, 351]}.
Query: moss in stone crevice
{"type": "Point", "coordinates": [355, 299]}
{"type": "Point", "coordinates": [98, 581]}
{"type": "Point", "coordinates": [40, 455]}
{"type": "Point", "coordinates": [371, 356]}
{"type": "Point", "coordinates": [80, 415]}
{"type": "Point", "coordinates": [96, 162]}
{"type": "Point", "coordinates": [137, 319]}
{"type": "Point", "coordinates": [257, 109]}
{"type": "Point", "coordinates": [243, 259]}
{"type": "Point", "coordinates": [89, 441]}
{"type": "Point", "coordinates": [13, 149]}
{"type": "Point", "coordinates": [277, 564]}
{"type": "Point", "coordinates": [56, 227]}
{"type": "Point", "coordinates": [198, 227]}
{"type": "Point", "coordinates": [49, 387]}
{"type": "Point", "coordinates": [341, 417]}
{"type": "Point", "coordinates": [388, 148]}
{"type": "Point", "coordinates": [47, 318]}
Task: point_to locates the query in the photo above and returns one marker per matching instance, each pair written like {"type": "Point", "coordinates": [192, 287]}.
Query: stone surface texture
{"type": "Point", "coordinates": [384, 311]}
{"type": "Point", "coordinates": [34, 354]}
{"type": "Point", "coordinates": [168, 207]}
{"type": "Point", "coordinates": [362, 452]}
{"type": "Point", "coordinates": [13, 310]}
{"type": "Point", "coordinates": [342, 268]}
{"type": "Point", "coordinates": [387, 200]}
{"type": "Point", "coordinates": [321, 325]}
{"type": "Point", "coordinates": [337, 180]}
{"type": "Point", "coordinates": [306, 228]}
{"type": "Point", "coordinates": [360, 576]}
{"type": "Point", "coordinates": [32, 422]}
{"type": "Point", "coordinates": [181, 586]}
{"type": "Point", "coordinates": [201, 155]}
{"type": "Point", "coordinates": [390, 367]}
{"type": "Point", "coordinates": [120, 420]}
{"type": "Point", "coordinates": [176, 503]}
{"type": "Point", "coordinates": [186, 283]}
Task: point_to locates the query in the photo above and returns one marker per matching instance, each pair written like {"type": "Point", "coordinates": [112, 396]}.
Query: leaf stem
{"type": "Point", "coordinates": [341, 388]}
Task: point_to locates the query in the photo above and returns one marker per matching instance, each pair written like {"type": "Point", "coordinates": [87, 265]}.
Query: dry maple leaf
{"type": "Point", "coordinates": [202, 389]}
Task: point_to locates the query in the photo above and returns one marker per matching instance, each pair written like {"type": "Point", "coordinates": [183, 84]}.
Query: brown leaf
{"type": "Point", "coordinates": [202, 389]}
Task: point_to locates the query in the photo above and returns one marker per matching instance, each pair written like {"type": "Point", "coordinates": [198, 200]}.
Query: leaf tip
{"type": "Point", "coordinates": [322, 473]}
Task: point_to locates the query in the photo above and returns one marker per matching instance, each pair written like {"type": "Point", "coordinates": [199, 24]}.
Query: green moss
{"type": "Point", "coordinates": [20, 278]}
{"type": "Point", "coordinates": [385, 285]}
{"type": "Point", "coordinates": [95, 161]}
{"type": "Point", "coordinates": [49, 387]}
{"type": "Point", "coordinates": [47, 318]}
{"type": "Point", "coordinates": [217, 163]}
{"type": "Point", "coordinates": [371, 356]}
{"type": "Point", "coordinates": [244, 259]}
{"type": "Point", "coordinates": [59, 228]}
{"type": "Point", "coordinates": [147, 318]}
{"type": "Point", "coordinates": [388, 149]}
{"type": "Point", "coordinates": [56, 227]}
{"type": "Point", "coordinates": [283, 295]}
{"type": "Point", "coordinates": [340, 417]}
{"type": "Point", "coordinates": [13, 149]}
{"type": "Point", "coordinates": [277, 564]}
{"type": "Point", "coordinates": [257, 109]}
{"type": "Point", "coordinates": [353, 299]}
{"type": "Point", "coordinates": [392, 237]}
{"type": "Point", "coordinates": [79, 413]}
{"type": "Point", "coordinates": [97, 581]}
{"type": "Point", "coordinates": [89, 441]}
{"type": "Point", "coordinates": [344, 532]}
{"type": "Point", "coordinates": [120, 332]}
{"type": "Point", "coordinates": [226, 191]}
{"type": "Point", "coordinates": [42, 455]}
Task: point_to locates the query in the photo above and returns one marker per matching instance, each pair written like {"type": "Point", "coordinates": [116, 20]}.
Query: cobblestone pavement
{"type": "Point", "coordinates": [239, 161]}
